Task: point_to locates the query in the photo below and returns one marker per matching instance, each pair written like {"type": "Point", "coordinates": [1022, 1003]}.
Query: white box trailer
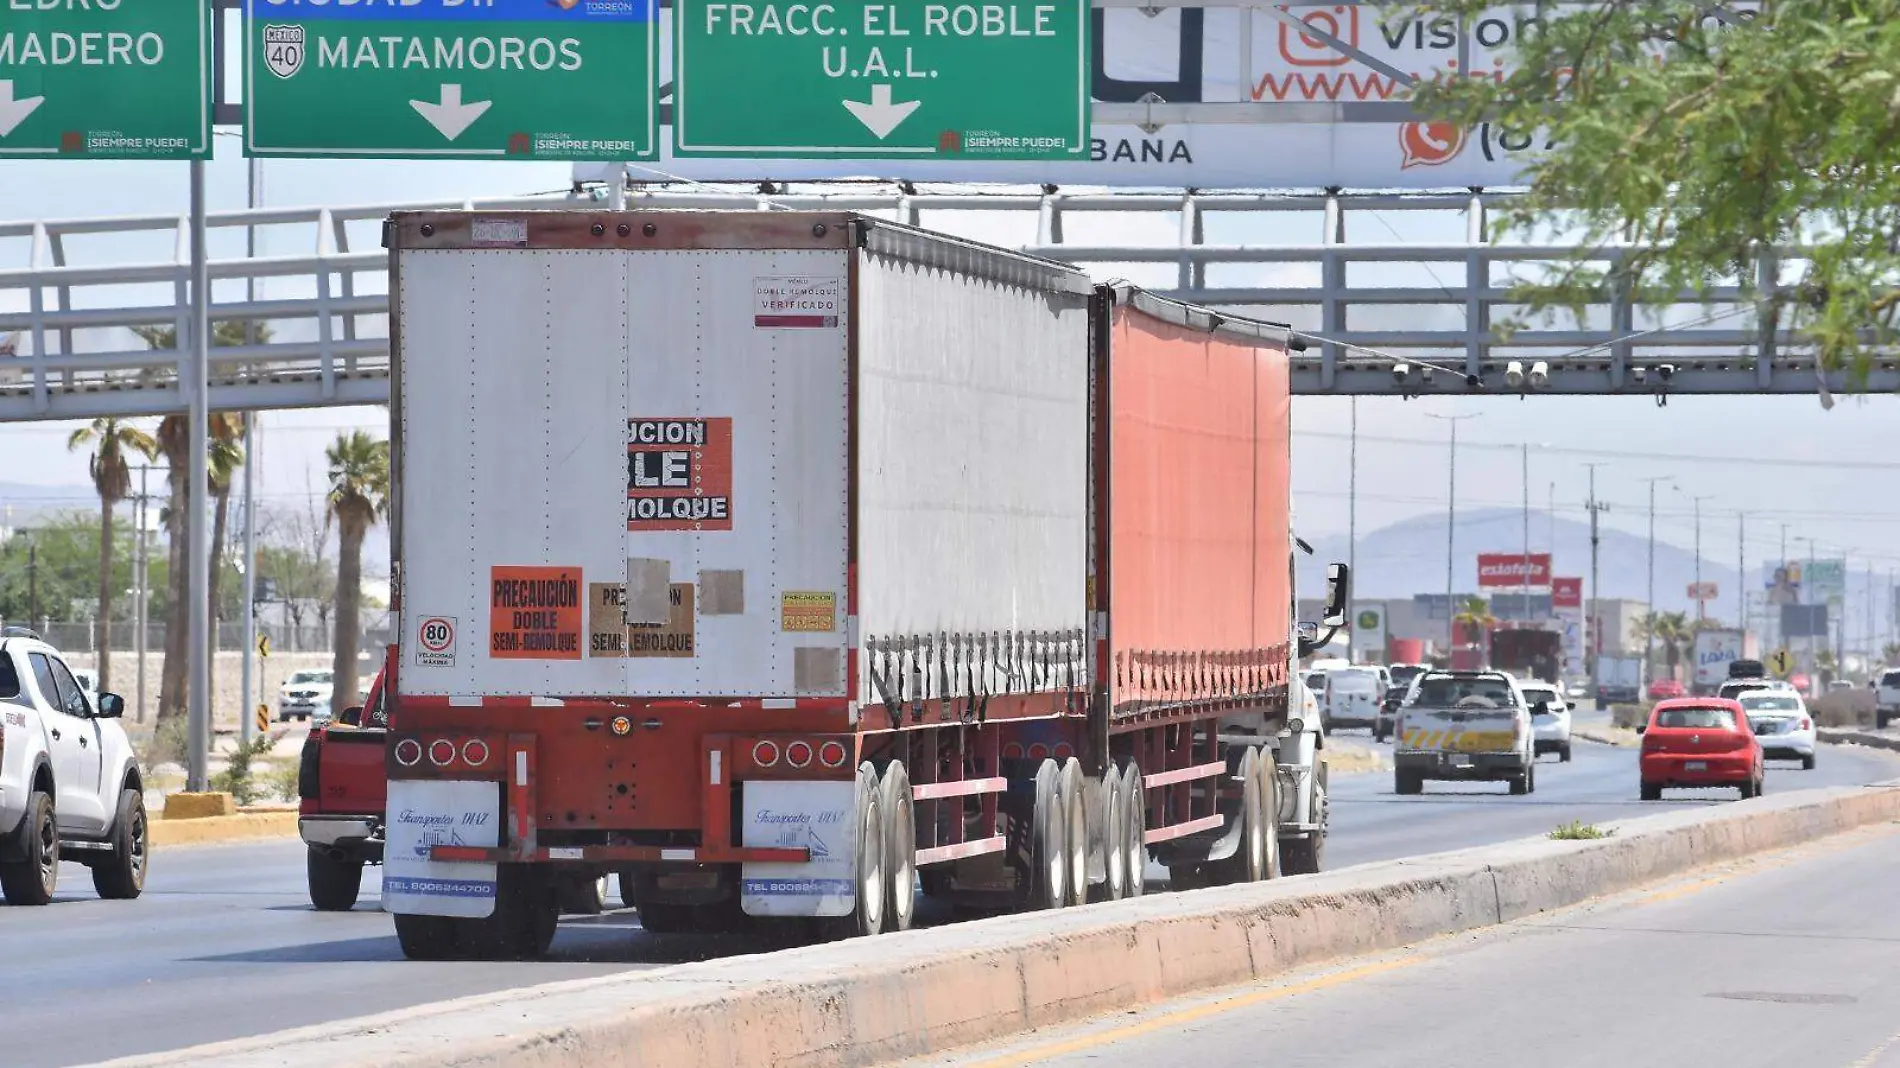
{"type": "Point", "coordinates": [669, 426]}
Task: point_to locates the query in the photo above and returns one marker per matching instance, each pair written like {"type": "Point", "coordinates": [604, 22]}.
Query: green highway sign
{"type": "Point", "coordinates": [452, 79]}
{"type": "Point", "coordinates": [105, 79]}
{"type": "Point", "coordinates": [891, 78]}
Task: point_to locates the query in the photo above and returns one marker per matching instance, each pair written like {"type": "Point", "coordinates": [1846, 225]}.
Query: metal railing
{"type": "Point", "coordinates": [1365, 307]}
{"type": "Point", "coordinates": [82, 636]}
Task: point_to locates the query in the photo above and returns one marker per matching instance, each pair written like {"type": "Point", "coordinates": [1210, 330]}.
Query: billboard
{"type": "Point", "coordinates": [1331, 81]}
{"type": "Point", "coordinates": [1803, 621]}
{"type": "Point", "coordinates": [1702, 591]}
{"type": "Point", "coordinates": [1368, 631]}
{"type": "Point", "coordinates": [1505, 570]}
{"type": "Point", "coordinates": [1825, 582]}
{"type": "Point", "coordinates": [1566, 593]}
{"type": "Point", "coordinates": [1520, 607]}
{"type": "Point", "coordinates": [1782, 580]}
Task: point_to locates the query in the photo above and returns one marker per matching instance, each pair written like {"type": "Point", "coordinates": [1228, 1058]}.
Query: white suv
{"type": "Point", "coordinates": [69, 783]}
{"type": "Point", "coordinates": [1886, 698]}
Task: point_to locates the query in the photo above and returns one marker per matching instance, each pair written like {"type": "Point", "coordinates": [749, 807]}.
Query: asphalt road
{"type": "Point", "coordinates": [224, 942]}
{"type": "Point", "coordinates": [1781, 961]}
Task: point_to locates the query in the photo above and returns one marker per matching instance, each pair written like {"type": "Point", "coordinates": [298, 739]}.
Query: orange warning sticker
{"type": "Point", "coordinates": [807, 610]}
{"type": "Point", "coordinates": [534, 613]}
{"type": "Point", "coordinates": [679, 474]}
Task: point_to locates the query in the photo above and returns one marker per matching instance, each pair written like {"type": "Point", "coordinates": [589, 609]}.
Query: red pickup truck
{"type": "Point", "coordinates": [344, 786]}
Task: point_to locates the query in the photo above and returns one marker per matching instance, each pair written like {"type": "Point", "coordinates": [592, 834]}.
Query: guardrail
{"type": "Point", "coordinates": [75, 358]}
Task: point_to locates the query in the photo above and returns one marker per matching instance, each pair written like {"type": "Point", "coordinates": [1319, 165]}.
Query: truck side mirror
{"type": "Point", "coordinates": [1338, 589]}
{"type": "Point", "coordinates": [1306, 632]}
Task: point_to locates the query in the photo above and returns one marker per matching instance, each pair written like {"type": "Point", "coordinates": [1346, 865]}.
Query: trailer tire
{"type": "Point", "coordinates": [1302, 856]}
{"type": "Point", "coordinates": [527, 914]}
{"type": "Point", "coordinates": [1075, 815]}
{"type": "Point", "coordinates": [1135, 829]}
{"type": "Point", "coordinates": [665, 917]}
{"type": "Point", "coordinates": [1407, 782]}
{"type": "Point", "coordinates": [900, 846]}
{"type": "Point", "coordinates": [869, 892]}
{"type": "Point", "coordinates": [1114, 838]}
{"type": "Point", "coordinates": [1268, 770]}
{"type": "Point", "coordinates": [334, 883]}
{"type": "Point", "coordinates": [1048, 845]}
{"type": "Point", "coordinates": [427, 937]}
{"type": "Point", "coordinates": [587, 898]}
{"type": "Point", "coordinates": [1249, 860]}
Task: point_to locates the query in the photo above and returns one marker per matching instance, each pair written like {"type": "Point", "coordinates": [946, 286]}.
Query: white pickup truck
{"type": "Point", "coordinates": [70, 787]}
{"type": "Point", "coordinates": [1464, 725]}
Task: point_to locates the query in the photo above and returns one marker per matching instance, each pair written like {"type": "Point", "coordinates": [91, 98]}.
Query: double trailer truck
{"type": "Point", "coordinates": [788, 565]}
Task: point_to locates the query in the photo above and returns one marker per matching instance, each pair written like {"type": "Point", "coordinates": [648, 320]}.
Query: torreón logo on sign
{"type": "Point", "coordinates": [471, 79]}
{"type": "Point", "coordinates": [105, 79]}
{"type": "Point", "coordinates": [998, 80]}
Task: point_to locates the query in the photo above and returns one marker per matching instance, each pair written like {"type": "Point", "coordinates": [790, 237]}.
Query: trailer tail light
{"type": "Point", "coordinates": [475, 753]}
{"type": "Point", "coordinates": [1013, 751]}
{"type": "Point", "coordinates": [833, 754]}
{"type": "Point", "coordinates": [798, 754]}
{"type": "Point", "coordinates": [765, 753]}
{"type": "Point", "coordinates": [1038, 751]}
{"type": "Point", "coordinates": [1064, 751]}
{"type": "Point", "coordinates": [408, 752]}
{"type": "Point", "coordinates": [441, 752]}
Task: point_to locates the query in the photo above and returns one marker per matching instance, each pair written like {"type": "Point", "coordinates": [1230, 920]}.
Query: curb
{"type": "Point", "coordinates": [867, 1001]}
{"type": "Point", "coordinates": [235, 828]}
{"type": "Point", "coordinates": [1838, 736]}
{"type": "Point", "coordinates": [1603, 737]}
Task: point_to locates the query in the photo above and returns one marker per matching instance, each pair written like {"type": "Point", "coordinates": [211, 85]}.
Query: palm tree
{"type": "Point", "coordinates": [359, 494]}
{"type": "Point", "coordinates": [1473, 617]}
{"type": "Point", "coordinates": [174, 443]}
{"type": "Point", "coordinates": [110, 439]}
{"type": "Point", "coordinates": [1674, 630]}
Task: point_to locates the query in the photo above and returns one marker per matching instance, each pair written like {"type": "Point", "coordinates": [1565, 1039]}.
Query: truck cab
{"type": "Point", "coordinates": [343, 788]}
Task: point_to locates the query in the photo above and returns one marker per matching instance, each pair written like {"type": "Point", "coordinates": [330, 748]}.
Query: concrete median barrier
{"type": "Point", "coordinates": [234, 827]}
{"type": "Point", "coordinates": [868, 1001]}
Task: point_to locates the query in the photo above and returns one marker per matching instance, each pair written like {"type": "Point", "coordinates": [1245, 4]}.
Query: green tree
{"type": "Point", "coordinates": [1707, 136]}
{"type": "Point", "coordinates": [110, 441]}
{"type": "Point", "coordinates": [359, 495]}
{"type": "Point", "coordinates": [1473, 617]}
{"type": "Point", "coordinates": [59, 554]}
{"type": "Point", "coordinates": [1674, 631]}
{"type": "Point", "coordinates": [1890, 653]}
{"type": "Point", "coordinates": [174, 443]}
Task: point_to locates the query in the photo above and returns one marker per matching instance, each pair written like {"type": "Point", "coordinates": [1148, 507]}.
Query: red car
{"type": "Point", "coordinates": [1666, 690]}
{"type": "Point", "coordinates": [1699, 741]}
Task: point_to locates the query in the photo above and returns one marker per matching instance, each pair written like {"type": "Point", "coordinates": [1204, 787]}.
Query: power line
{"type": "Point", "coordinates": [1751, 461]}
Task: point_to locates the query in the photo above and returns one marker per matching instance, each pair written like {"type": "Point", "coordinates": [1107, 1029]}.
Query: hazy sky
{"type": "Point", "coordinates": [1830, 475]}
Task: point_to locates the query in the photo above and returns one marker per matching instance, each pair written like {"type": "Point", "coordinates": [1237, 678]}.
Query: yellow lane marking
{"type": "Point", "coordinates": [1182, 1017]}
{"type": "Point", "coordinates": [1874, 1055]}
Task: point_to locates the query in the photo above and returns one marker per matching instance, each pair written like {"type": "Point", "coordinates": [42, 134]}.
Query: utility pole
{"type": "Point", "coordinates": [142, 511]}
{"type": "Point", "coordinates": [1451, 527]}
{"type": "Point", "coordinates": [1649, 628]}
{"type": "Point", "coordinates": [1524, 590]}
{"type": "Point", "coordinates": [33, 582]}
{"type": "Point", "coordinates": [1699, 602]}
{"type": "Point", "coordinates": [1593, 624]}
{"type": "Point", "coordinates": [1352, 524]}
{"type": "Point", "coordinates": [253, 199]}
{"type": "Point", "coordinates": [1741, 570]}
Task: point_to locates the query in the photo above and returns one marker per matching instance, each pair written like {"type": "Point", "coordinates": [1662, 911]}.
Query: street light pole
{"type": "Point", "coordinates": [1451, 527]}
{"type": "Point", "coordinates": [1593, 617]}
{"type": "Point", "coordinates": [1699, 602]}
{"type": "Point", "coordinates": [1352, 520]}
{"type": "Point", "coordinates": [1649, 628]}
{"type": "Point", "coordinates": [198, 548]}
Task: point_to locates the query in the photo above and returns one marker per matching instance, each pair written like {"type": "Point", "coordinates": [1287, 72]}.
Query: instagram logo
{"type": "Point", "coordinates": [1305, 50]}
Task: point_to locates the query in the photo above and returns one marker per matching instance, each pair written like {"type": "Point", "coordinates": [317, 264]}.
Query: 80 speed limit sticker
{"type": "Point", "coordinates": [435, 641]}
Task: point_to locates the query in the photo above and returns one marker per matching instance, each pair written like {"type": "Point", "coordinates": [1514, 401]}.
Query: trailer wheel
{"type": "Point", "coordinates": [1135, 827]}
{"type": "Point", "coordinates": [1249, 860]}
{"type": "Point", "coordinates": [1269, 772]}
{"type": "Point", "coordinates": [900, 846]}
{"type": "Point", "coordinates": [1075, 814]}
{"type": "Point", "coordinates": [1048, 845]}
{"type": "Point", "coordinates": [867, 913]}
{"type": "Point", "coordinates": [527, 913]}
{"type": "Point", "coordinates": [1114, 838]}
{"type": "Point", "coordinates": [1302, 856]}
{"type": "Point", "coordinates": [426, 937]}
